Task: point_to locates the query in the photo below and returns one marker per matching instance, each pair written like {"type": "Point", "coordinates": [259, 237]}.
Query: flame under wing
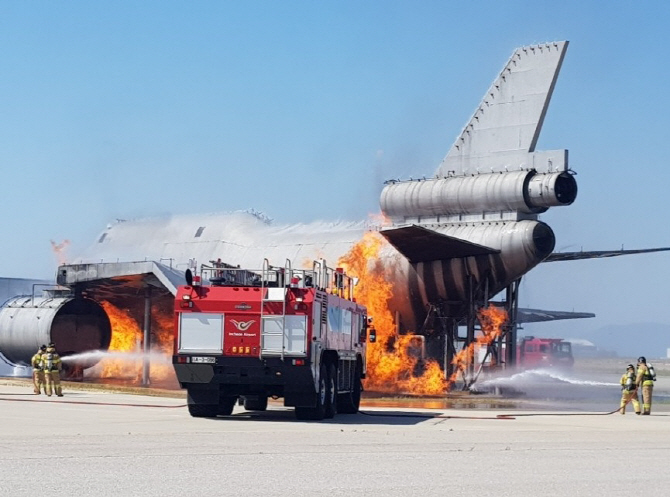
{"type": "Point", "coordinates": [419, 244]}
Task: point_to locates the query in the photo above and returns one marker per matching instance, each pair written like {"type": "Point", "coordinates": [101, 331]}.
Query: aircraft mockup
{"type": "Point", "coordinates": [454, 240]}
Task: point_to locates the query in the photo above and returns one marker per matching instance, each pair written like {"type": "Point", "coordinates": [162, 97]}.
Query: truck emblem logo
{"type": "Point", "coordinates": [242, 325]}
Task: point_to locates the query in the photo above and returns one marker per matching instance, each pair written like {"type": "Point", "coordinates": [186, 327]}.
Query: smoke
{"type": "Point", "coordinates": [59, 251]}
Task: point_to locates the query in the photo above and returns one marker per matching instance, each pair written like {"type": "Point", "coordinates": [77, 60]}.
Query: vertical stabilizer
{"type": "Point", "coordinates": [503, 132]}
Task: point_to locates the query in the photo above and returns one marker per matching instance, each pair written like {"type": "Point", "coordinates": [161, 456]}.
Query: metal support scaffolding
{"type": "Point", "coordinates": [146, 345]}
{"type": "Point", "coordinates": [512, 306]}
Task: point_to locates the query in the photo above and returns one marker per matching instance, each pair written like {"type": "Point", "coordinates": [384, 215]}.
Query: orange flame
{"type": "Point", "coordinates": [59, 250]}
{"type": "Point", "coordinates": [127, 336]}
{"type": "Point", "coordinates": [492, 320]}
{"type": "Point", "coordinates": [393, 362]}
{"type": "Point", "coordinates": [163, 342]}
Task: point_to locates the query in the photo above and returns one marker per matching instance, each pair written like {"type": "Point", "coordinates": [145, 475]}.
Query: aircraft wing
{"type": "Point", "coordinates": [419, 244]}
{"type": "Point", "coordinates": [538, 315]}
{"type": "Point", "coordinates": [598, 254]}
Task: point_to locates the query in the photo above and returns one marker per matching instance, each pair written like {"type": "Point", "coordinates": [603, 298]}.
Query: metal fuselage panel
{"type": "Point", "coordinates": [523, 245]}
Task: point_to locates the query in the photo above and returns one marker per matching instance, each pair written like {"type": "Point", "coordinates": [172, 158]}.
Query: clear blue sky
{"type": "Point", "coordinates": [125, 109]}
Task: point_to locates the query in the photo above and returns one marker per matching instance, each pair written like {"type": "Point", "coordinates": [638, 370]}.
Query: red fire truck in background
{"type": "Point", "coordinates": [275, 332]}
{"type": "Point", "coordinates": [544, 352]}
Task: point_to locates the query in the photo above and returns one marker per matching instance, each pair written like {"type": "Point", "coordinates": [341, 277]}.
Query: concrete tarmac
{"type": "Point", "coordinates": [110, 444]}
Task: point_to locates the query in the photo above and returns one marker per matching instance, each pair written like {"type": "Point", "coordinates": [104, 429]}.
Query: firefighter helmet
{"type": "Point", "coordinates": [641, 360]}
{"type": "Point", "coordinates": [630, 366]}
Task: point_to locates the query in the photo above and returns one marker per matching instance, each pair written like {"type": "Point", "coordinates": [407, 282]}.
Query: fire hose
{"type": "Point", "coordinates": [376, 414]}
{"type": "Point", "coordinates": [83, 402]}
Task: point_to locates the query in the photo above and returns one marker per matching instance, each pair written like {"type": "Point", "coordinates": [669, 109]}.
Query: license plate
{"type": "Point", "coordinates": [203, 360]}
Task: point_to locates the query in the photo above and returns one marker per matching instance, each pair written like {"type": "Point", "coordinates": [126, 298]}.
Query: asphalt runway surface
{"type": "Point", "coordinates": [111, 444]}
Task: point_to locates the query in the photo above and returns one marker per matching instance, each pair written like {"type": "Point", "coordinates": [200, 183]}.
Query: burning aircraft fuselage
{"type": "Point", "coordinates": [459, 237]}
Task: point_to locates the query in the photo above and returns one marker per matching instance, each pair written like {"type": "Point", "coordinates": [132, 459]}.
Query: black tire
{"type": "Point", "coordinates": [259, 404]}
{"type": "Point", "coordinates": [349, 403]}
{"type": "Point", "coordinates": [331, 392]}
{"type": "Point", "coordinates": [203, 410]}
{"type": "Point", "coordinates": [226, 405]}
{"type": "Point", "coordinates": [318, 412]}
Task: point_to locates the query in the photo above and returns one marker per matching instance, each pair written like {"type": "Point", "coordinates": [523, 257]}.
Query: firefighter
{"type": "Point", "coordinates": [51, 364]}
{"type": "Point", "coordinates": [38, 373]}
{"type": "Point", "coordinates": [629, 390]}
{"type": "Point", "coordinates": [645, 382]}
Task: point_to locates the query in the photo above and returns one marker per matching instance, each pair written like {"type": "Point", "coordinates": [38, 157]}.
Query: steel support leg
{"type": "Point", "coordinates": [146, 363]}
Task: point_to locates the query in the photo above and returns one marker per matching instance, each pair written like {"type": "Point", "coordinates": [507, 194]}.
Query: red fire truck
{"type": "Point", "coordinates": [246, 335]}
{"type": "Point", "coordinates": [544, 352]}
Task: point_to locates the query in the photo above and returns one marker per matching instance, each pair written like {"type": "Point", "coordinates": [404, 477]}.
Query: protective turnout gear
{"type": "Point", "coordinates": [652, 371]}
{"type": "Point", "coordinates": [38, 373]}
{"type": "Point", "coordinates": [51, 364]}
{"type": "Point", "coordinates": [629, 390]}
{"type": "Point", "coordinates": [645, 382]}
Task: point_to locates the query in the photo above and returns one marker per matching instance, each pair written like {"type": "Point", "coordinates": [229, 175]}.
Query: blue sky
{"type": "Point", "coordinates": [131, 109]}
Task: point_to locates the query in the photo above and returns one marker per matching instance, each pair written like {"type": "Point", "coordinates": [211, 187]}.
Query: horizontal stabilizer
{"type": "Point", "coordinates": [421, 245]}
{"type": "Point", "coordinates": [598, 254]}
{"type": "Point", "coordinates": [538, 316]}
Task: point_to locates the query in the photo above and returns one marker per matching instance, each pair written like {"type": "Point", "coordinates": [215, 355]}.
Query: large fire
{"type": "Point", "coordinates": [492, 320]}
{"type": "Point", "coordinates": [394, 362]}
{"type": "Point", "coordinates": [127, 338]}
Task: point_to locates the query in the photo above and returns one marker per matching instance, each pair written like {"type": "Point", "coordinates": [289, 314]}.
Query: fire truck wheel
{"type": "Point", "coordinates": [349, 402]}
{"type": "Point", "coordinates": [203, 410]}
{"type": "Point", "coordinates": [258, 404]}
{"type": "Point", "coordinates": [331, 392]}
{"type": "Point", "coordinates": [226, 405]}
{"type": "Point", "coordinates": [318, 412]}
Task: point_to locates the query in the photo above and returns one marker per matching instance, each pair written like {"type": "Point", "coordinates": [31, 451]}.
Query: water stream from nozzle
{"type": "Point", "coordinates": [541, 376]}
{"type": "Point", "coordinates": [97, 355]}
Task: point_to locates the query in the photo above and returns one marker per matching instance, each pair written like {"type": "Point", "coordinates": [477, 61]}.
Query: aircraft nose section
{"type": "Point", "coordinates": [544, 240]}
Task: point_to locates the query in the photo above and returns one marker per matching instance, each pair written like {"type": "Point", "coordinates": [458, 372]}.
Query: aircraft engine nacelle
{"type": "Point", "coordinates": [526, 192]}
{"type": "Point", "coordinates": [75, 325]}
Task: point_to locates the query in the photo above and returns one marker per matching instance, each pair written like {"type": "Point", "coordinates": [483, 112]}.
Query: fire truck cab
{"type": "Point", "coordinates": [246, 335]}
{"type": "Point", "coordinates": [544, 352]}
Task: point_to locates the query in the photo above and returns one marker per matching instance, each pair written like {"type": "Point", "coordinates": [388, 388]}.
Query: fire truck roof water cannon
{"type": "Point", "coordinates": [245, 335]}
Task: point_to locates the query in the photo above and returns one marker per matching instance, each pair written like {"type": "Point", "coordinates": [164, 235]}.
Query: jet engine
{"type": "Point", "coordinates": [75, 325]}
{"type": "Point", "coordinates": [525, 192]}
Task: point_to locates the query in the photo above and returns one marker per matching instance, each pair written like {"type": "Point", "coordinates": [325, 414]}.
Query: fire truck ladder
{"type": "Point", "coordinates": [274, 294]}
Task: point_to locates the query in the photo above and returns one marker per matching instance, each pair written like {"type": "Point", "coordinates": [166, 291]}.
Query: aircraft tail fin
{"type": "Point", "coordinates": [505, 128]}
